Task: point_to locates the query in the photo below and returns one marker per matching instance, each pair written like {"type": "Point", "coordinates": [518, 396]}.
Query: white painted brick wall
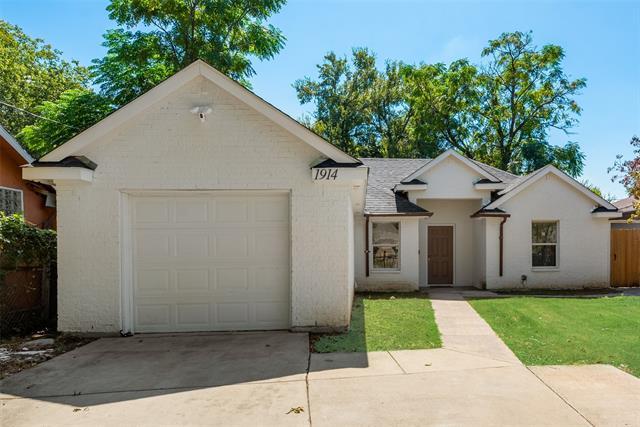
{"type": "Point", "coordinates": [168, 148]}
{"type": "Point", "coordinates": [583, 249]}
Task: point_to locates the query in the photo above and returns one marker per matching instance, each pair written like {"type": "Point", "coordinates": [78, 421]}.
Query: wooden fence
{"type": "Point", "coordinates": [625, 257]}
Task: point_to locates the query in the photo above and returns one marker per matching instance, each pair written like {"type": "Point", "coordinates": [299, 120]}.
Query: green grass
{"type": "Point", "coordinates": [556, 331]}
{"type": "Point", "coordinates": [381, 322]}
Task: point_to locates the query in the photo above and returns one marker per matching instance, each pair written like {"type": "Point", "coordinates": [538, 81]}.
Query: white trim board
{"type": "Point", "coordinates": [445, 155]}
{"type": "Point", "coordinates": [539, 174]}
{"type": "Point", "coordinates": [196, 69]}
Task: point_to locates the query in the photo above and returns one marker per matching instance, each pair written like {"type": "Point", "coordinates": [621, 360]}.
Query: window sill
{"type": "Point", "coordinates": [545, 268]}
{"type": "Point", "coordinates": [386, 271]}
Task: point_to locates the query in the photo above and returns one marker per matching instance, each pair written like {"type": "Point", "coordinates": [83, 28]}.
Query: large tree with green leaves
{"type": "Point", "coordinates": [357, 107]}
{"type": "Point", "coordinates": [156, 38]}
{"type": "Point", "coordinates": [502, 112]}
{"type": "Point", "coordinates": [63, 118]}
{"type": "Point", "coordinates": [31, 72]}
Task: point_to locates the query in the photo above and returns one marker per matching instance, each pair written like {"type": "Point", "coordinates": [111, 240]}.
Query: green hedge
{"type": "Point", "coordinates": [24, 244]}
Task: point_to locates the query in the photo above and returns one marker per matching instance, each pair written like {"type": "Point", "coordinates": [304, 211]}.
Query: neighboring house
{"type": "Point", "coordinates": [626, 207]}
{"type": "Point", "coordinates": [35, 201]}
{"type": "Point", "coordinates": [625, 246]}
{"type": "Point", "coordinates": [199, 206]}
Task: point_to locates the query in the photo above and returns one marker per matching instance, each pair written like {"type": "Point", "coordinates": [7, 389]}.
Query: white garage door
{"type": "Point", "coordinates": [210, 261]}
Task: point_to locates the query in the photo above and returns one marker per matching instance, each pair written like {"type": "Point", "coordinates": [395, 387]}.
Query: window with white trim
{"type": "Point", "coordinates": [10, 201]}
{"type": "Point", "coordinates": [544, 244]}
{"type": "Point", "coordinates": [386, 245]}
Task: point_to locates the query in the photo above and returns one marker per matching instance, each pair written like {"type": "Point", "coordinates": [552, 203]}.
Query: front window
{"type": "Point", "coordinates": [386, 245]}
{"type": "Point", "coordinates": [10, 201]}
{"type": "Point", "coordinates": [544, 251]}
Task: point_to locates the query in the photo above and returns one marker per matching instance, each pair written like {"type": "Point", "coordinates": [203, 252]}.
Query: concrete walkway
{"type": "Point", "coordinates": [463, 330]}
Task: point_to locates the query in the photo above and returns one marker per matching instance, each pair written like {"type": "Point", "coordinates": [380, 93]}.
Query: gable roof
{"type": "Point", "coordinates": [4, 134]}
{"type": "Point", "coordinates": [524, 182]}
{"type": "Point", "coordinates": [196, 69]}
{"type": "Point", "coordinates": [485, 172]}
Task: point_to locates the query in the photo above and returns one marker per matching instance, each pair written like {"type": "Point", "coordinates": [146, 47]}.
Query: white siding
{"type": "Point", "coordinates": [583, 249]}
{"type": "Point", "coordinates": [168, 148]}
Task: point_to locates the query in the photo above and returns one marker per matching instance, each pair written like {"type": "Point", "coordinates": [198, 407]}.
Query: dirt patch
{"type": "Point", "coordinates": [19, 353]}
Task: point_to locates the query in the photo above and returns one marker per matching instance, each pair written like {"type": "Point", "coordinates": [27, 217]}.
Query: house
{"type": "Point", "coordinates": [199, 206]}
{"type": "Point", "coordinates": [35, 201]}
{"type": "Point", "coordinates": [625, 245]}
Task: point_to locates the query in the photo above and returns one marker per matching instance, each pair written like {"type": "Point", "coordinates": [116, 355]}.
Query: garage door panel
{"type": "Point", "coordinates": [193, 280]}
{"type": "Point", "coordinates": [231, 210]}
{"type": "Point", "coordinates": [211, 262]}
{"type": "Point", "coordinates": [232, 279]}
{"type": "Point", "coordinates": [153, 315]}
{"type": "Point", "coordinates": [152, 244]}
{"type": "Point", "coordinates": [192, 244]}
{"type": "Point", "coordinates": [192, 211]}
{"type": "Point", "coordinates": [230, 244]}
{"type": "Point", "coordinates": [152, 281]}
{"type": "Point", "coordinates": [151, 210]}
{"type": "Point", "coordinates": [193, 315]}
{"type": "Point", "coordinates": [232, 313]}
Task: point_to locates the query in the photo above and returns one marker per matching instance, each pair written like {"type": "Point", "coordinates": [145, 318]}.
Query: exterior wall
{"type": "Point", "coordinates": [583, 250]}
{"type": "Point", "coordinates": [407, 278]}
{"type": "Point", "coordinates": [450, 179]}
{"type": "Point", "coordinates": [168, 148]}
{"type": "Point", "coordinates": [456, 213]}
{"type": "Point", "coordinates": [35, 211]}
{"type": "Point", "coordinates": [479, 252]}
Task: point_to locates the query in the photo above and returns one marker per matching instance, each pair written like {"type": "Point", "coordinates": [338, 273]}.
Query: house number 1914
{"type": "Point", "coordinates": [325, 173]}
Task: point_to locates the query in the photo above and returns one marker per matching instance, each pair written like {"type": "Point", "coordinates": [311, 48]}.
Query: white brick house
{"type": "Point", "coordinates": [199, 206]}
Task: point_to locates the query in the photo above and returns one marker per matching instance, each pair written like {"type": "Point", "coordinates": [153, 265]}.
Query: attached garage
{"type": "Point", "coordinates": [201, 207]}
{"type": "Point", "coordinates": [210, 261]}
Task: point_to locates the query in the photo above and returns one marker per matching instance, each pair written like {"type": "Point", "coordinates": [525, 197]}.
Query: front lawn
{"type": "Point", "coordinates": [382, 322]}
{"type": "Point", "coordinates": [555, 331]}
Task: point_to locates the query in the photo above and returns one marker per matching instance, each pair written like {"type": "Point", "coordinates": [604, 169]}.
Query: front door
{"type": "Point", "coordinates": [440, 255]}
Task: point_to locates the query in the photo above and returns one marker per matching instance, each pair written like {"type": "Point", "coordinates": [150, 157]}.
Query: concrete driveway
{"type": "Point", "coordinates": [260, 378]}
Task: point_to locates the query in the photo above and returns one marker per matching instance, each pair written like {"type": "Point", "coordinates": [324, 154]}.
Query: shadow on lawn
{"type": "Point", "coordinates": [356, 339]}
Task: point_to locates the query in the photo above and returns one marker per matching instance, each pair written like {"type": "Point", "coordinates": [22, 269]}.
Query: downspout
{"type": "Point", "coordinates": [366, 243]}
{"type": "Point", "coordinates": [504, 219]}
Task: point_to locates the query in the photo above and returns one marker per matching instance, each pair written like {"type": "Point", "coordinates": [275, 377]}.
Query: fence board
{"type": "Point", "coordinates": [625, 257]}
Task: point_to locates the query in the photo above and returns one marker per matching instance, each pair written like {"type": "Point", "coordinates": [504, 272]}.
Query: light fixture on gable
{"type": "Point", "coordinates": [202, 111]}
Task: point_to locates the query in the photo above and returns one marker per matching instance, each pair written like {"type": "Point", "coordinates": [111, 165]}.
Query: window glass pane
{"type": "Point", "coordinates": [543, 256]}
{"type": "Point", "coordinates": [385, 257]}
{"type": "Point", "coordinates": [544, 232]}
{"type": "Point", "coordinates": [10, 201]}
{"type": "Point", "coordinates": [386, 233]}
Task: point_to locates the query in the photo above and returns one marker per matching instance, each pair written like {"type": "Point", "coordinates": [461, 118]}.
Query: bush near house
{"type": "Point", "coordinates": [27, 264]}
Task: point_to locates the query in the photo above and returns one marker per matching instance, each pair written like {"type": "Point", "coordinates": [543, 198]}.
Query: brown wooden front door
{"type": "Point", "coordinates": [440, 255]}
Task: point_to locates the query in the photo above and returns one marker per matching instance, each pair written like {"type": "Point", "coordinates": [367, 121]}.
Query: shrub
{"type": "Point", "coordinates": [24, 244]}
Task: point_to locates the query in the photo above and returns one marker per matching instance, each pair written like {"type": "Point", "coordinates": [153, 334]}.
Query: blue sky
{"type": "Point", "coordinates": [601, 40]}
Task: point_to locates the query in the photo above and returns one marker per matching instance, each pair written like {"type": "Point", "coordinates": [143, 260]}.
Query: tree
{"type": "Point", "coordinates": [358, 108]}
{"type": "Point", "coordinates": [171, 34]}
{"type": "Point", "coordinates": [63, 118]}
{"type": "Point", "coordinates": [31, 72]}
{"type": "Point", "coordinates": [502, 113]}
{"type": "Point", "coordinates": [627, 173]}
{"type": "Point", "coordinates": [341, 97]}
